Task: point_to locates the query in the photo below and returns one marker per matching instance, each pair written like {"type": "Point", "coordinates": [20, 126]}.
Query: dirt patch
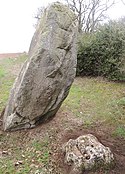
{"type": "Point", "coordinates": [117, 146]}
{"type": "Point", "coordinates": [10, 55]}
{"type": "Point", "coordinates": [64, 127]}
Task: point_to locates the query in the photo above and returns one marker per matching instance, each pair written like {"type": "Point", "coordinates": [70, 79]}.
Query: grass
{"type": "Point", "coordinates": [32, 157]}
{"type": "Point", "coordinates": [7, 76]}
{"type": "Point", "coordinates": [36, 154]}
{"type": "Point", "coordinates": [2, 72]}
{"type": "Point", "coordinates": [119, 131]}
{"type": "Point", "coordinates": [90, 99]}
{"type": "Point", "coordinates": [96, 99]}
{"type": "Point", "coordinates": [5, 87]}
{"type": "Point", "coordinates": [13, 61]}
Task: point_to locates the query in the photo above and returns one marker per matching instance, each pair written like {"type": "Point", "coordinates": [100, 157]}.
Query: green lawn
{"type": "Point", "coordinates": [9, 68]}
{"type": "Point", "coordinates": [95, 99]}
{"type": "Point", "coordinates": [90, 99]}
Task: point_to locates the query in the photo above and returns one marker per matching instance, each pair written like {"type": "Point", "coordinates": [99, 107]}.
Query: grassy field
{"type": "Point", "coordinates": [95, 99]}
{"type": "Point", "coordinates": [91, 101]}
{"type": "Point", "coordinates": [9, 68]}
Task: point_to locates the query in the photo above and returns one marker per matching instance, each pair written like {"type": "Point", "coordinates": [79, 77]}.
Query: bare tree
{"type": "Point", "coordinates": [39, 12]}
{"type": "Point", "coordinates": [38, 15]}
{"type": "Point", "coordinates": [89, 12]}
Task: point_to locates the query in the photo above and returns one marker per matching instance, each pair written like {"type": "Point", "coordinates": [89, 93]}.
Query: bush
{"type": "Point", "coordinates": [103, 52]}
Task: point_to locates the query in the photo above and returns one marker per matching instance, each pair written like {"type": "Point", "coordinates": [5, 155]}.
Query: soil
{"type": "Point", "coordinates": [10, 55]}
{"type": "Point", "coordinates": [64, 127]}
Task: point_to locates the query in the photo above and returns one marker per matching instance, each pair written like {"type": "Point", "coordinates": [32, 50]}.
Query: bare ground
{"type": "Point", "coordinates": [59, 130]}
{"type": "Point", "coordinates": [10, 55]}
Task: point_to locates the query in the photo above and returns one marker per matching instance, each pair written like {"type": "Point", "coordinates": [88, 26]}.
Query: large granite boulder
{"type": "Point", "coordinates": [86, 153]}
{"type": "Point", "coordinates": [45, 79]}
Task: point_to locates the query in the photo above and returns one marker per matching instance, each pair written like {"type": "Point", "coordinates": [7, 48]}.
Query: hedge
{"type": "Point", "coordinates": [103, 53]}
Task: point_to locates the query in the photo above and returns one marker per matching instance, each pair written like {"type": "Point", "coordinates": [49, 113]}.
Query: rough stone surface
{"type": "Point", "coordinates": [46, 77]}
{"type": "Point", "coordinates": [87, 153]}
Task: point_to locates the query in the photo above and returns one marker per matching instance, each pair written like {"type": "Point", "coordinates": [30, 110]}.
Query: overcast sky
{"type": "Point", "coordinates": [17, 19]}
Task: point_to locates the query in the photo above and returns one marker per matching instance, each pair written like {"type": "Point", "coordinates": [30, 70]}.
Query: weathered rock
{"type": "Point", "coordinates": [46, 77]}
{"type": "Point", "coordinates": [87, 153]}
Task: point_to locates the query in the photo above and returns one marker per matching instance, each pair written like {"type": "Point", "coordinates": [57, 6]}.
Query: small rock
{"type": "Point", "coordinates": [87, 153]}
{"type": "Point", "coordinates": [4, 152]}
{"type": "Point", "coordinates": [18, 163]}
{"type": "Point", "coordinates": [23, 156]}
{"type": "Point", "coordinates": [32, 165]}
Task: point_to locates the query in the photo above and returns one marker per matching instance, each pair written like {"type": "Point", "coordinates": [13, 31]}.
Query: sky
{"type": "Point", "coordinates": [17, 22]}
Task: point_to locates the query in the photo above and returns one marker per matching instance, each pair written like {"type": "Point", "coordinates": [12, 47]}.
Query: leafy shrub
{"type": "Point", "coordinates": [103, 52]}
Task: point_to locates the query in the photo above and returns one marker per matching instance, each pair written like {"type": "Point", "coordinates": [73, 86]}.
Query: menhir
{"type": "Point", "coordinates": [46, 77]}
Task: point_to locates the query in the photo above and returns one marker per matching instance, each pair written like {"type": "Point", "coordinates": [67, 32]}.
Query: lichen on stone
{"type": "Point", "coordinates": [87, 153]}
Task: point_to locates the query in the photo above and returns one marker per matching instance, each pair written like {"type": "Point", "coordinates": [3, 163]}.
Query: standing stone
{"type": "Point", "coordinates": [46, 77]}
